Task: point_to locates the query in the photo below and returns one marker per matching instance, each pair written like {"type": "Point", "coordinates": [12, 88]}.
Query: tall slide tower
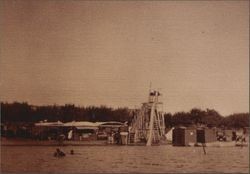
{"type": "Point", "coordinates": [148, 125]}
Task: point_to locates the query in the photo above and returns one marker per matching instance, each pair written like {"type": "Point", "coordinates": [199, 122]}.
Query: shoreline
{"type": "Point", "coordinates": [29, 142]}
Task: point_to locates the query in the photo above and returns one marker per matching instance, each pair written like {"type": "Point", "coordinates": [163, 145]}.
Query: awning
{"type": "Point", "coordinates": [81, 124]}
{"type": "Point", "coordinates": [58, 123]}
{"type": "Point", "coordinates": [114, 126]}
{"type": "Point", "coordinates": [82, 128]}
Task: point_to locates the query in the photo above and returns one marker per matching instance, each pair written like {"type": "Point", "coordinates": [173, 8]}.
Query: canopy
{"type": "Point", "coordinates": [82, 128]}
{"type": "Point", "coordinates": [112, 124]}
{"type": "Point", "coordinates": [58, 123]}
{"type": "Point", "coordinates": [81, 124]}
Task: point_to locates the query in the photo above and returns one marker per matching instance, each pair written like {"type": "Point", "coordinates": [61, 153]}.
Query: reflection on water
{"type": "Point", "coordinates": [117, 159]}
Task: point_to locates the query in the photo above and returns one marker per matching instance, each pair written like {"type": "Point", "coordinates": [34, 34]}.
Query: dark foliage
{"type": "Point", "coordinates": [236, 120]}
{"type": "Point", "coordinates": [23, 112]}
{"type": "Point", "coordinates": [209, 117]}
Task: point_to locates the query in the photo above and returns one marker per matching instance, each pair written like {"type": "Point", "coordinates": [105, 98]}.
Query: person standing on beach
{"type": "Point", "coordinates": [70, 134]}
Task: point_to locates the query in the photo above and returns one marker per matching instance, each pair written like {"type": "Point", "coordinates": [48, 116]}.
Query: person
{"type": "Point", "coordinates": [59, 153]}
{"type": "Point", "coordinates": [244, 134]}
{"type": "Point", "coordinates": [70, 134]}
{"type": "Point", "coordinates": [234, 136]}
{"type": "Point", "coordinates": [118, 137]}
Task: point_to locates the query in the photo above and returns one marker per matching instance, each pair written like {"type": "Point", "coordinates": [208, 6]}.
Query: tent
{"type": "Point", "coordinates": [169, 135]}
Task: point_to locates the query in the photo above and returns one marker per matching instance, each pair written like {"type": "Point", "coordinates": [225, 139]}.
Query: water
{"type": "Point", "coordinates": [128, 159]}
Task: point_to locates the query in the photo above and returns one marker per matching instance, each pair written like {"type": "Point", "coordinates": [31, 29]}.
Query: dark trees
{"type": "Point", "coordinates": [209, 117]}
{"type": "Point", "coordinates": [23, 112]}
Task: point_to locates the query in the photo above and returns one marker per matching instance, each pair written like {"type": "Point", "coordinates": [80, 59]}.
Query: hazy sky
{"type": "Point", "coordinates": [107, 53]}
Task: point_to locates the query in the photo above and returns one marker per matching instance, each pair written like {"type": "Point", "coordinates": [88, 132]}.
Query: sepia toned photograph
{"type": "Point", "coordinates": [124, 86]}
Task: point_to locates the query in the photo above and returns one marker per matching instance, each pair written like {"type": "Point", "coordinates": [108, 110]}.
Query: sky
{"type": "Point", "coordinates": [196, 53]}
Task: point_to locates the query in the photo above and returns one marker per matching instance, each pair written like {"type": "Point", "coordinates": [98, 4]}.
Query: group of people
{"type": "Point", "coordinates": [59, 153]}
{"type": "Point", "coordinates": [236, 136]}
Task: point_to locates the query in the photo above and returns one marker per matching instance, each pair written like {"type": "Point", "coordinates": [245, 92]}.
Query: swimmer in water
{"type": "Point", "coordinates": [59, 153]}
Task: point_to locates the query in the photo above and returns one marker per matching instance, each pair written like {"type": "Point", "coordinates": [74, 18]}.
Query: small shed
{"type": "Point", "coordinates": [184, 136]}
{"type": "Point", "coordinates": [206, 135]}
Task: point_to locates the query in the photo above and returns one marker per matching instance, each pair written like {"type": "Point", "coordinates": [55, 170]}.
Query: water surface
{"type": "Point", "coordinates": [128, 159]}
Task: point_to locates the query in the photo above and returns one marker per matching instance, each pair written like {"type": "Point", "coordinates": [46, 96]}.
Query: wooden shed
{"type": "Point", "coordinates": [206, 135]}
{"type": "Point", "coordinates": [184, 136]}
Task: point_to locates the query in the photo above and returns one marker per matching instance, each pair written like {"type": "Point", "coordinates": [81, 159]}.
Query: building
{"type": "Point", "coordinates": [184, 136]}
{"type": "Point", "coordinates": [47, 130]}
{"type": "Point", "coordinates": [109, 130]}
{"type": "Point", "coordinates": [80, 130]}
{"type": "Point", "coordinates": [206, 135]}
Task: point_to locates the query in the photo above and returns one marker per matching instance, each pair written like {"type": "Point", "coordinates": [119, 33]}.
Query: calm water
{"type": "Point", "coordinates": [94, 159]}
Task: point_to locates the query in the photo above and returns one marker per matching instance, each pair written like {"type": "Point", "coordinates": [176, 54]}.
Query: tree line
{"type": "Point", "coordinates": [208, 117]}
{"type": "Point", "coordinates": [24, 112]}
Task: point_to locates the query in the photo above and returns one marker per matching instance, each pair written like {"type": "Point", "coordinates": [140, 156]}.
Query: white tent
{"type": "Point", "coordinates": [169, 135]}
